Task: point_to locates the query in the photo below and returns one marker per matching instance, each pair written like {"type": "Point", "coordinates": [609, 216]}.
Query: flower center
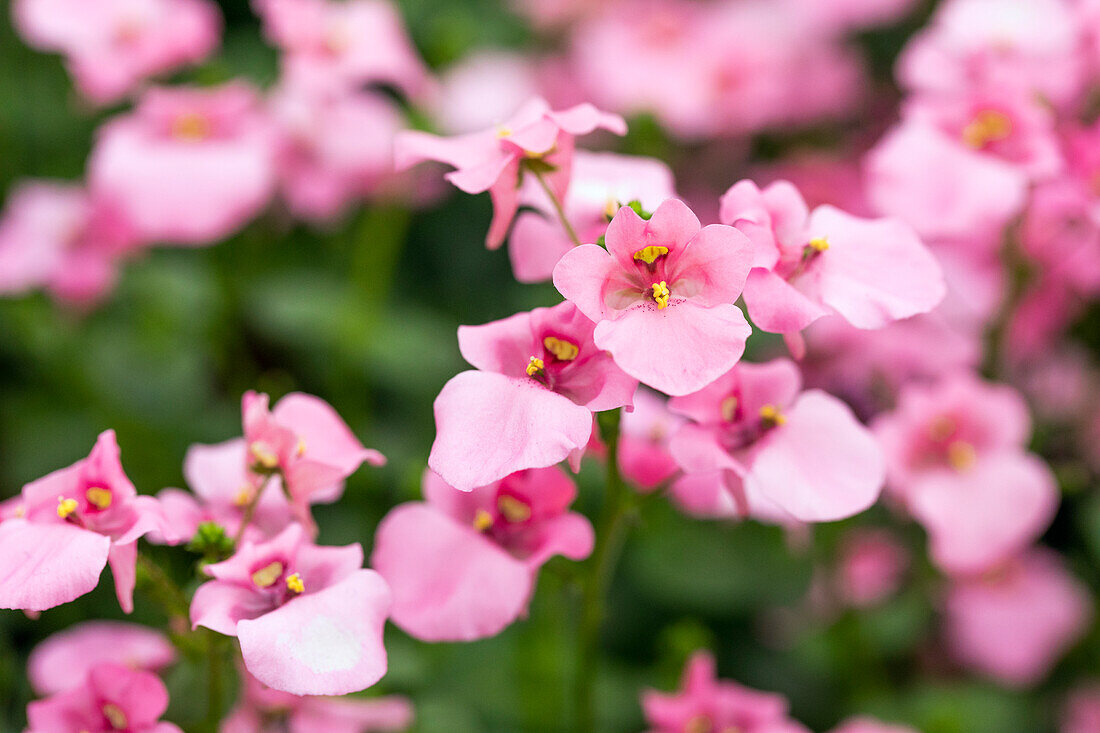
{"type": "Point", "coordinates": [661, 294]}
{"type": "Point", "coordinates": [961, 455]}
{"type": "Point", "coordinates": [987, 127]}
{"type": "Point", "coordinates": [115, 716]}
{"type": "Point", "coordinates": [561, 349]}
{"type": "Point", "coordinates": [191, 127]}
{"type": "Point", "coordinates": [294, 584]}
{"type": "Point", "coordinates": [65, 507]}
{"type": "Point", "coordinates": [729, 408]}
{"type": "Point", "coordinates": [98, 497]}
{"type": "Point", "coordinates": [535, 367]}
{"type": "Point", "coordinates": [483, 520]}
{"type": "Point", "coordinates": [772, 417]}
{"type": "Point", "coordinates": [266, 576]}
{"type": "Point", "coordinates": [264, 458]}
{"type": "Point", "coordinates": [513, 509]}
{"type": "Point", "coordinates": [650, 254]}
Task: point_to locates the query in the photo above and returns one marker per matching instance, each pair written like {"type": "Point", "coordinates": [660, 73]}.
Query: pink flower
{"type": "Point", "coordinates": [870, 725]}
{"type": "Point", "coordinates": [111, 47]}
{"type": "Point", "coordinates": [223, 486]}
{"type": "Point", "coordinates": [1013, 623]}
{"type": "Point", "coordinates": [539, 378]}
{"type": "Point", "coordinates": [463, 564]}
{"type": "Point", "coordinates": [955, 455]}
{"type": "Point", "coordinates": [843, 15]}
{"type": "Point", "coordinates": [869, 271]}
{"type": "Point", "coordinates": [870, 567]}
{"type": "Point", "coordinates": [306, 443]}
{"type": "Point", "coordinates": [1082, 710]}
{"type": "Point", "coordinates": [644, 456]}
{"type": "Point", "coordinates": [707, 704]}
{"type": "Point", "coordinates": [113, 697]}
{"type": "Point", "coordinates": [264, 710]}
{"type": "Point", "coordinates": [941, 187]}
{"type": "Point", "coordinates": [309, 618]}
{"type": "Point", "coordinates": [337, 147]}
{"type": "Point", "coordinates": [601, 183]}
{"type": "Point", "coordinates": [662, 295]}
{"type": "Point", "coordinates": [63, 661]}
{"type": "Point", "coordinates": [57, 237]}
{"type": "Point", "coordinates": [482, 88]}
{"type": "Point", "coordinates": [494, 160]}
{"type": "Point", "coordinates": [188, 166]}
{"type": "Point", "coordinates": [344, 45]}
{"type": "Point", "coordinates": [760, 446]}
{"type": "Point", "coordinates": [71, 523]}
{"type": "Point", "coordinates": [1061, 232]}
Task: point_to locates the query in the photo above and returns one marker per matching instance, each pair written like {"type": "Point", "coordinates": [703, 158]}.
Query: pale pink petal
{"type": "Point", "coordinates": [776, 306]}
{"type": "Point", "coordinates": [63, 660]}
{"type": "Point", "coordinates": [582, 276]}
{"type": "Point", "coordinates": [123, 561]}
{"type": "Point", "coordinates": [46, 565]}
{"type": "Point", "coordinates": [220, 606]}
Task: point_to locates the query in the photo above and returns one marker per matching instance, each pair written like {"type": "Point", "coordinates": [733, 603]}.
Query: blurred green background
{"type": "Point", "coordinates": [364, 315]}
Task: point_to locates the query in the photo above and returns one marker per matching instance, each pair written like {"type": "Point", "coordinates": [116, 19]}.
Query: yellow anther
{"type": "Point", "coordinates": [263, 455]}
{"type": "Point", "coordinates": [661, 294]}
{"type": "Point", "coordinates": [503, 131]}
{"type": "Point", "coordinates": [294, 583]}
{"type": "Point", "coordinates": [266, 576]}
{"type": "Point", "coordinates": [65, 507]}
{"type": "Point", "coordinates": [98, 497]}
{"type": "Point", "coordinates": [699, 724]}
{"type": "Point", "coordinates": [961, 455]}
{"type": "Point", "coordinates": [301, 449]}
{"type": "Point", "coordinates": [729, 408]}
{"type": "Point", "coordinates": [987, 127]}
{"type": "Point", "coordinates": [243, 497]}
{"type": "Point", "coordinates": [818, 244]}
{"type": "Point", "coordinates": [191, 126]}
{"type": "Point", "coordinates": [561, 349]}
{"type": "Point", "coordinates": [771, 414]}
{"type": "Point", "coordinates": [611, 208]}
{"type": "Point", "coordinates": [535, 367]}
{"type": "Point", "coordinates": [115, 716]}
{"type": "Point", "coordinates": [513, 509]}
{"type": "Point", "coordinates": [650, 254]}
{"type": "Point", "coordinates": [941, 428]}
{"type": "Point", "coordinates": [483, 520]}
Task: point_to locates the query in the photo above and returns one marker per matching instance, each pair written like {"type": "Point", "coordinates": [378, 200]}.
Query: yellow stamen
{"type": "Point", "coordinates": [266, 576]}
{"type": "Point", "coordinates": [503, 131]}
{"type": "Point", "coordinates": [483, 520]}
{"type": "Point", "coordinates": [513, 509]}
{"type": "Point", "coordinates": [301, 449]}
{"type": "Point", "coordinates": [191, 126]}
{"type": "Point", "coordinates": [65, 507]}
{"type": "Point", "coordinates": [98, 497]}
{"type": "Point", "coordinates": [263, 455]}
{"type": "Point", "coordinates": [661, 294]}
{"type": "Point", "coordinates": [819, 244]}
{"type": "Point", "coordinates": [561, 349]}
{"type": "Point", "coordinates": [941, 428]}
{"type": "Point", "coordinates": [729, 408]}
{"type": "Point", "coordinates": [535, 367]}
{"type": "Point", "coordinates": [294, 583]}
{"type": "Point", "coordinates": [611, 208]}
{"type": "Point", "coordinates": [987, 127]}
{"type": "Point", "coordinates": [243, 497]}
{"type": "Point", "coordinates": [115, 716]}
{"type": "Point", "coordinates": [771, 414]}
{"type": "Point", "coordinates": [650, 254]}
{"type": "Point", "coordinates": [961, 455]}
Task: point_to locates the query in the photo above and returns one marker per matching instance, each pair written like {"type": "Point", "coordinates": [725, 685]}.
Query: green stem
{"type": "Point", "coordinates": [610, 535]}
{"type": "Point", "coordinates": [250, 511]}
{"type": "Point", "coordinates": [163, 589]}
{"type": "Point", "coordinates": [215, 663]}
{"type": "Point", "coordinates": [558, 208]}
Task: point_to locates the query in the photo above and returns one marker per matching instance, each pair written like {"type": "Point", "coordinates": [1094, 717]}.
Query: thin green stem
{"type": "Point", "coordinates": [250, 511]}
{"type": "Point", "coordinates": [558, 208]}
{"type": "Point", "coordinates": [610, 535]}
{"type": "Point", "coordinates": [215, 663]}
{"type": "Point", "coordinates": [162, 588]}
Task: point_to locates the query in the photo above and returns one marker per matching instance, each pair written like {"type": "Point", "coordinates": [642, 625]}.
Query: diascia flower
{"type": "Point", "coordinates": [809, 265]}
{"type": "Point", "coordinates": [309, 619]}
{"type": "Point", "coordinates": [111, 46]}
{"type": "Point", "coordinates": [69, 525]}
{"type": "Point", "coordinates": [495, 160]}
{"type": "Point", "coordinates": [662, 295]}
{"type": "Point", "coordinates": [644, 458]}
{"type": "Point", "coordinates": [264, 710]}
{"type": "Point", "coordinates": [62, 661]}
{"type": "Point", "coordinates": [188, 166]}
{"type": "Point", "coordinates": [529, 404]}
{"type": "Point", "coordinates": [463, 565]}
{"type": "Point", "coordinates": [706, 704]}
{"type": "Point", "coordinates": [759, 446]}
{"type": "Point", "coordinates": [112, 698]}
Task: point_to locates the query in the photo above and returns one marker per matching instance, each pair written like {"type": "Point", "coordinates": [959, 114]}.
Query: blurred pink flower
{"type": "Point", "coordinates": [463, 564]}
{"type": "Point", "coordinates": [113, 697]}
{"type": "Point", "coordinates": [706, 704]}
{"type": "Point", "coordinates": [845, 15]}
{"type": "Point", "coordinates": [1013, 623]}
{"type": "Point", "coordinates": [662, 295]}
{"type": "Point", "coordinates": [72, 523]}
{"type": "Point", "coordinates": [111, 46]}
{"type": "Point", "coordinates": [309, 619]}
{"type": "Point", "coordinates": [1082, 710]}
{"type": "Point", "coordinates": [529, 403]}
{"type": "Point", "coordinates": [870, 725]}
{"type": "Point", "coordinates": [495, 160]}
{"type": "Point", "coordinates": [644, 456]}
{"type": "Point", "coordinates": [870, 567]}
{"type": "Point", "coordinates": [261, 709]}
{"type": "Point", "coordinates": [189, 166]}
{"type": "Point", "coordinates": [759, 446]}
{"type": "Point", "coordinates": [600, 184]}
{"type": "Point", "coordinates": [483, 88]}
{"type": "Point", "coordinates": [63, 660]}
{"type": "Point", "coordinates": [58, 237]}
{"type": "Point", "coordinates": [344, 45]}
